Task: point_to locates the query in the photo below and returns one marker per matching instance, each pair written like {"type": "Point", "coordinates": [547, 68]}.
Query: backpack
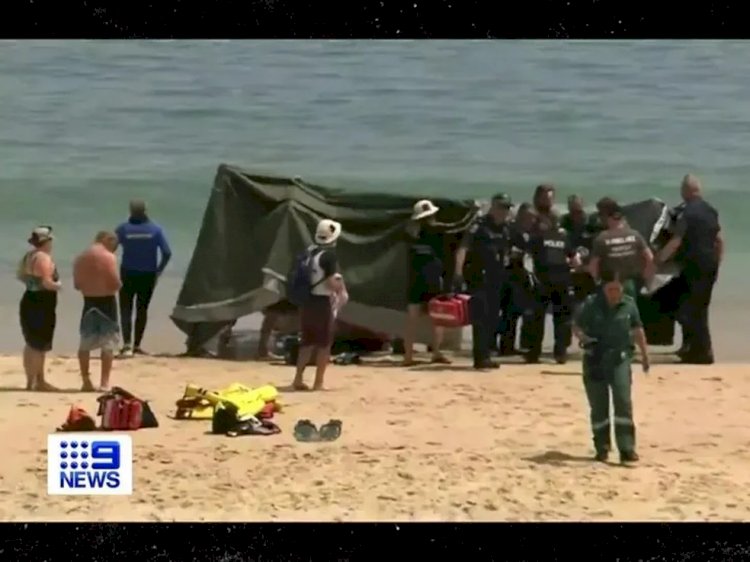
{"type": "Point", "coordinates": [299, 283]}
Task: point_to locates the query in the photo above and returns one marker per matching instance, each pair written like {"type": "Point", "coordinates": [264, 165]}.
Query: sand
{"type": "Point", "coordinates": [427, 443]}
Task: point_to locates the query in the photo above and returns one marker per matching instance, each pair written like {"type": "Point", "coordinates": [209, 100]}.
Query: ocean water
{"type": "Point", "coordinates": [87, 125]}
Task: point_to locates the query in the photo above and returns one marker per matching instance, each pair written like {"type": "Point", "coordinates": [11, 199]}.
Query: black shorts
{"type": "Point", "coordinates": [422, 291]}
{"type": "Point", "coordinates": [38, 316]}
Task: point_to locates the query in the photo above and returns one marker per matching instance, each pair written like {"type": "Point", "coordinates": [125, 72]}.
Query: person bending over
{"type": "Point", "coordinates": [142, 241]}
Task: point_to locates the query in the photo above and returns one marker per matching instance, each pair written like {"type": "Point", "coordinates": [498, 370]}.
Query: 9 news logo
{"type": "Point", "coordinates": [97, 464]}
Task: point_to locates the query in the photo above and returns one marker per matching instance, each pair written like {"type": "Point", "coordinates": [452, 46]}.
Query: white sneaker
{"type": "Point", "coordinates": [126, 351]}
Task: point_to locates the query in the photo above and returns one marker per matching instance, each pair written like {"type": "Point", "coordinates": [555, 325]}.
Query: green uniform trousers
{"type": "Point", "coordinates": [630, 288]}
{"type": "Point", "coordinates": [619, 379]}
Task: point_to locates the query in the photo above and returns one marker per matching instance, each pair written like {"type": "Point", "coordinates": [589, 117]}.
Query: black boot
{"type": "Point", "coordinates": [629, 457]}
{"type": "Point", "coordinates": [482, 364]}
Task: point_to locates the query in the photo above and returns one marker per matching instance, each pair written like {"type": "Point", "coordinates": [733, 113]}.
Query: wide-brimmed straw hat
{"type": "Point", "coordinates": [423, 209]}
{"type": "Point", "coordinates": [327, 231]}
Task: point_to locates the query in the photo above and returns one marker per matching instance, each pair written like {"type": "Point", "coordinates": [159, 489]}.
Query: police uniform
{"type": "Point", "coordinates": [582, 236]}
{"type": "Point", "coordinates": [516, 295]}
{"type": "Point", "coordinates": [550, 251]}
{"type": "Point", "coordinates": [698, 226]}
{"type": "Point", "coordinates": [607, 366]}
{"type": "Point", "coordinates": [489, 244]}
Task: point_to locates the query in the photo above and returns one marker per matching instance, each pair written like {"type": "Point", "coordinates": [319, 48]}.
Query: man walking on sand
{"type": "Point", "coordinates": [95, 276]}
{"type": "Point", "coordinates": [142, 241]}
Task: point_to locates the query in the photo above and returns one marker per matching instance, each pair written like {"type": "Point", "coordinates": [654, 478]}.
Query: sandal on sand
{"type": "Point", "coordinates": [305, 431]}
{"type": "Point", "coordinates": [330, 431]}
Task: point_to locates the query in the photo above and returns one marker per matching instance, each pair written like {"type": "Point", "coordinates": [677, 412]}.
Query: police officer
{"type": "Point", "coordinates": [606, 326]}
{"type": "Point", "coordinates": [575, 221]}
{"type": "Point", "coordinates": [553, 254]}
{"type": "Point", "coordinates": [517, 292]}
{"type": "Point", "coordinates": [489, 241]}
{"type": "Point", "coordinates": [621, 250]}
{"type": "Point", "coordinates": [699, 245]}
{"type": "Point", "coordinates": [582, 229]}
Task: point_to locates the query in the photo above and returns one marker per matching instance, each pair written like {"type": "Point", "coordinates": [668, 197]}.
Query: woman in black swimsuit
{"type": "Point", "coordinates": [38, 306]}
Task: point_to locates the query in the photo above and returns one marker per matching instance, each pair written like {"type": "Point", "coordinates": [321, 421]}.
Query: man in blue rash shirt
{"type": "Point", "coordinates": [142, 241]}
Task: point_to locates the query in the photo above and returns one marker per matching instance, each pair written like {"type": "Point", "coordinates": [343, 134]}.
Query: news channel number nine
{"type": "Point", "coordinates": [89, 464]}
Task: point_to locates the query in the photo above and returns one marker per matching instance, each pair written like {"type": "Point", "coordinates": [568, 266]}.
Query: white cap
{"type": "Point", "coordinates": [424, 208]}
{"type": "Point", "coordinates": [327, 231]}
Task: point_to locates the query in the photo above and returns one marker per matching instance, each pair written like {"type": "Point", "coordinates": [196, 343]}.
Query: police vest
{"type": "Point", "coordinates": [551, 252]}
{"type": "Point", "coordinates": [492, 245]}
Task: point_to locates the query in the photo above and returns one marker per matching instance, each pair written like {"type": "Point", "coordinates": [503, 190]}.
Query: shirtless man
{"type": "Point", "coordinates": [95, 275]}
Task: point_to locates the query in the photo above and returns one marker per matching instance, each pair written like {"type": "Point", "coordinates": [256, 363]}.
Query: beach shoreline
{"type": "Point", "coordinates": [728, 322]}
{"type": "Point", "coordinates": [421, 444]}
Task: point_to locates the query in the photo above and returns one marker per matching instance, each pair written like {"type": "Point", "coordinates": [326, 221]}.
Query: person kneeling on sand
{"type": "Point", "coordinates": [95, 275]}
{"type": "Point", "coordinates": [317, 316]}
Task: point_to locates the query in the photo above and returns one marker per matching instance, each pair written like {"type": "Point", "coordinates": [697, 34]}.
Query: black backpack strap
{"type": "Point", "coordinates": [316, 251]}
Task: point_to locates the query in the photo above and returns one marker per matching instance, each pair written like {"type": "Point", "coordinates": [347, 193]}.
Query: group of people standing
{"type": "Point", "coordinates": [518, 268]}
{"type": "Point", "coordinates": [145, 254]}
{"type": "Point", "coordinates": [589, 270]}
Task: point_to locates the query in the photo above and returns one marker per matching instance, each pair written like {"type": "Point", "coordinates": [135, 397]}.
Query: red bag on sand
{"type": "Point", "coordinates": [121, 414]}
{"type": "Point", "coordinates": [121, 410]}
{"type": "Point", "coordinates": [450, 311]}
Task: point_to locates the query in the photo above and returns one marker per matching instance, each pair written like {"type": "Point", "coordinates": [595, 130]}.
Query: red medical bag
{"type": "Point", "coordinates": [450, 311]}
{"type": "Point", "coordinates": [121, 414]}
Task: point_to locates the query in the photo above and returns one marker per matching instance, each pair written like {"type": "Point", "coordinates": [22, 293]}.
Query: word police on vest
{"type": "Point", "coordinates": [100, 464]}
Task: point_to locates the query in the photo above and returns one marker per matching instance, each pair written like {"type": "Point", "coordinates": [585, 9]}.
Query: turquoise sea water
{"type": "Point", "coordinates": [87, 125]}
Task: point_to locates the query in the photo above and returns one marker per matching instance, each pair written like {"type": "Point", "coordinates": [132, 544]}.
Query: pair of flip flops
{"type": "Point", "coordinates": [307, 432]}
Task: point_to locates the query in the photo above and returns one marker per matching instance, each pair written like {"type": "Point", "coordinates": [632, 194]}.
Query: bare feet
{"type": "Point", "coordinates": [408, 363]}
{"type": "Point", "coordinates": [440, 359]}
{"type": "Point", "coordinates": [44, 386]}
{"type": "Point", "coordinates": [318, 386]}
{"type": "Point", "coordinates": [87, 386]}
{"type": "Point", "coordinates": [299, 385]}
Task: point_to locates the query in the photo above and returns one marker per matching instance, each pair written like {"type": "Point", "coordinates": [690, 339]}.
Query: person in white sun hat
{"type": "Point", "coordinates": [426, 272]}
{"type": "Point", "coordinates": [317, 312]}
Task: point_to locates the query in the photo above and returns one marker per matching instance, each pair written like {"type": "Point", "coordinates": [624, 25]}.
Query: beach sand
{"type": "Point", "coordinates": [428, 443]}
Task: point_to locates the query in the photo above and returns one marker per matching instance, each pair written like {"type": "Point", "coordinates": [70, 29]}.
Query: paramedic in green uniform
{"type": "Point", "coordinates": [606, 326]}
{"type": "Point", "coordinates": [621, 250]}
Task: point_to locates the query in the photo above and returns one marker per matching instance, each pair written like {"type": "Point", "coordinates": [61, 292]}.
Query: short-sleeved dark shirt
{"type": "Point", "coordinates": [620, 251]}
{"type": "Point", "coordinates": [698, 226]}
{"type": "Point", "coordinates": [426, 253]}
{"type": "Point", "coordinates": [491, 245]}
{"type": "Point", "coordinates": [611, 326]}
{"type": "Point", "coordinates": [577, 230]}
